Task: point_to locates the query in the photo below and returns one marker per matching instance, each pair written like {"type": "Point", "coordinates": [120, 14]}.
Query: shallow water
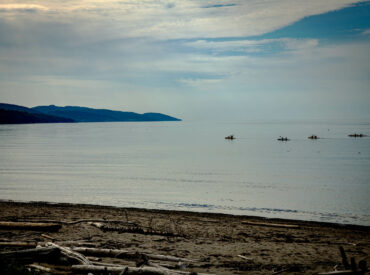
{"type": "Point", "coordinates": [190, 166]}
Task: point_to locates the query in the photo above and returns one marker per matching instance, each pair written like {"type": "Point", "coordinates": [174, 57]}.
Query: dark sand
{"type": "Point", "coordinates": [214, 240]}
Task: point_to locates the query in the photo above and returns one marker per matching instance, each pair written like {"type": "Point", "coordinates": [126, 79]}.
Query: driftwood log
{"type": "Point", "coordinates": [245, 258]}
{"type": "Point", "coordinates": [81, 221]}
{"type": "Point", "coordinates": [129, 270]}
{"type": "Point", "coordinates": [37, 226]}
{"type": "Point", "coordinates": [294, 226]}
{"type": "Point", "coordinates": [344, 258]}
{"type": "Point", "coordinates": [349, 268]}
{"type": "Point", "coordinates": [342, 272]}
{"type": "Point", "coordinates": [117, 253]}
{"type": "Point", "coordinates": [40, 267]}
{"type": "Point", "coordinates": [69, 253]}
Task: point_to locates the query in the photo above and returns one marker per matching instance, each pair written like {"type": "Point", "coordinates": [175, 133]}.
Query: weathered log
{"type": "Point", "coordinates": [96, 224]}
{"type": "Point", "coordinates": [344, 258]}
{"type": "Point", "coordinates": [281, 271]}
{"type": "Point", "coordinates": [103, 252]}
{"type": "Point", "coordinates": [18, 244]}
{"type": "Point", "coordinates": [71, 254]}
{"type": "Point", "coordinates": [294, 226]}
{"type": "Point", "coordinates": [245, 258]}
{"type": "Point", "coordinates": [99, 220]}
{"type": "Point", "coordinates": [47, 237]}
{"type": "Point", "coordinates": [167, 258]}
{"type": "Point", "coordinates": [93, 259]}
{"type": "Point", "coordinates": [40, 267]}
{"type": "Point", "coordinates": [38, 226]}
{"type": "Point", "coordinates": [117, 253]}
{"type": "Point", "coordinates": [80, 221]}
{"type": "Point", "coordinates": [353, 264]}
{"type": "Point", "coordinates": [104, 264]}
{"type": "Point", "coordinates": [77, 243]}
{"type": "Point", "coordinates": [129, 270]}
{"type": "Point", "coordinates": [342, 272]}
{"type": "Point", "coordinates": [33, 255]}
{"type": "Point", "coordinates": [121, 266]}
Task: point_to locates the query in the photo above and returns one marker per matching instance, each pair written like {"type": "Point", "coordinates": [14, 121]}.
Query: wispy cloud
{"type": "Point", "coordinates": [22, 7]}
{"type": "Point", "coordinates": [219, 6]}
{"type": "Point", "coordinates": [181, 19]}
{"type": "Point", "coordinates": [199, 81]}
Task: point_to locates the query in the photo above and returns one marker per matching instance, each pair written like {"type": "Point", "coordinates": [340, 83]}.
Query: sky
{"type": "Point", "coordinates": [193, 59]}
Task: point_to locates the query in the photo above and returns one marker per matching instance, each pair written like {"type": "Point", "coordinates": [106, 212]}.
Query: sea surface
{"type": "Point", "coordinates": [190, 166]}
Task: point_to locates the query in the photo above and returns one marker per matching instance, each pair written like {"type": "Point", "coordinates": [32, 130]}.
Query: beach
{"type": "Point", "coordinates": [217, 243]}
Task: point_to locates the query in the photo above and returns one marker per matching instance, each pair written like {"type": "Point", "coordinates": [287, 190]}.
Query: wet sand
{"type": "Point", "coordinates": [215, 241]}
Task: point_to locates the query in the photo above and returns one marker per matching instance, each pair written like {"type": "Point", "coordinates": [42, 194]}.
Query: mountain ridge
{"type": "Point", "coordinates": [52, 113]}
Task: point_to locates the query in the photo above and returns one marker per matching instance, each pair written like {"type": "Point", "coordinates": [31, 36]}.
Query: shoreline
{"type": "Point", "coordinates": [220, 243]}
{"type": "Point", "coordinates": [196, 213]}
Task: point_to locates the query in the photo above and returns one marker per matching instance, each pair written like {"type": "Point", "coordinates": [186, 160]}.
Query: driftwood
{"type": "Point", "coordinates": [104, 264]}
{"type": "Point", "coordinates": [134, 228]}
{"type": "Point", "coordinates": [281, 271]}
{"type": "Point", "coordinates": [69, 253]}
{"type": "Point", "coordinates": [344, 258]}
{"type": "Point", "coordinates": [129, 270]}
{"type": "Point", "coordinates": [96, 224]}
{"type": "Point", "coordinates": [38, 226]}
{"type": "Point", "coordinates": [342, 272]}
{"type": "Point", "coordinates": [93, 259]}
{"type": "Point", "coordinates": [76, 243]}
{"type": "Point", "coordinates": [271, 224]}
{"type": "Point", "coordinates": [350, 268]}
{"type": "Point", "coordinates": [148, 263]}
{"type": "Point", "coordinates": [117, 253]}
{"type": "Point", "coordinates": [18, 244]}
{"type": "Point", "coordinates": [82, 221]}
{"type": "Point", "coordinates": [245, 258]}
{"type": "Point", "coordinates": [47, 237]}
{"type": "Point", "coordinates": [167, 258]}
{"type": "Point", "coordinates": [39, 267]}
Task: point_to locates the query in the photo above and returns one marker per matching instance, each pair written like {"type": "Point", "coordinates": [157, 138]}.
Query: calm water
{"type": "Point", "coordinates": [190, 166]}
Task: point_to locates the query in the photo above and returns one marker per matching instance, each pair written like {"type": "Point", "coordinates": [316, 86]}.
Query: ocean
{"type": "Point", "coordinates": [190, 166]}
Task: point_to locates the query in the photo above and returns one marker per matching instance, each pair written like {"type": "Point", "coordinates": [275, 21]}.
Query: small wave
{"type": "Point", "coordinates": [268, 212]}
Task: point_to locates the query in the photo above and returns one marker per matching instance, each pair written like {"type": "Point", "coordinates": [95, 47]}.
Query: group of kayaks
{"type": "Point", "coordinates": [357, 135]}
{"type": "Point", "coordinates": [231, 137]}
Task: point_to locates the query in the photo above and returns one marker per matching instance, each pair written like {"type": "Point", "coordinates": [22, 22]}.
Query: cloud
{"type": "Point", "coordinates": [219, 6]}
{"type": "Point", "coordinates": [253, 47]}
{"type": "Point", "coordinates": [132, 50]}
{"type": "Point", "coordinates": [22, 7]}
{"type": "Point", "coordinates": [199, 81]}
{"type": "Point", "coordinates": [178, 19]}
{"type": "Point", "coordinates": [299, 44]}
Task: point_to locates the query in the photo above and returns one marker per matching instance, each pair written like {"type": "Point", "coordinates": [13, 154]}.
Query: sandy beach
{"type": "Point", "coordinates": [218, 243]}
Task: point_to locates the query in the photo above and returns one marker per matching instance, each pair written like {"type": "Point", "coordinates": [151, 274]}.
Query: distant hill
{"type": "Point", "coordinates": [13, 114]}
{"type": "Point", "coordinates": [20, 117]}
{"type": "Point", "coordinates": [12, 107]}
{"type": "Point", "coordinates": [84, 114]}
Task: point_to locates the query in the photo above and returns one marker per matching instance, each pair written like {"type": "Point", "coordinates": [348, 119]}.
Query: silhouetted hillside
{"type": "Point", "coordinates": [6, 106]}
{"type": "Point", "coordinates": [19, 117]}
{"type": "Point", "coordinates": [84, 114]}
{"type": "Point", "coordinates": [10, 113]}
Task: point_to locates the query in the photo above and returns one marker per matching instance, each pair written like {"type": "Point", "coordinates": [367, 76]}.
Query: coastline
{"type": "Point", "coordinates": [196, 213]}
{"type": "Point", "coordinates": [216, 241]}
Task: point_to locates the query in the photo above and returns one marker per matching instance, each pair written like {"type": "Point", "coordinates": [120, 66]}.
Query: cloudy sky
{"type": "Point", "coordinates": [194, 59]}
